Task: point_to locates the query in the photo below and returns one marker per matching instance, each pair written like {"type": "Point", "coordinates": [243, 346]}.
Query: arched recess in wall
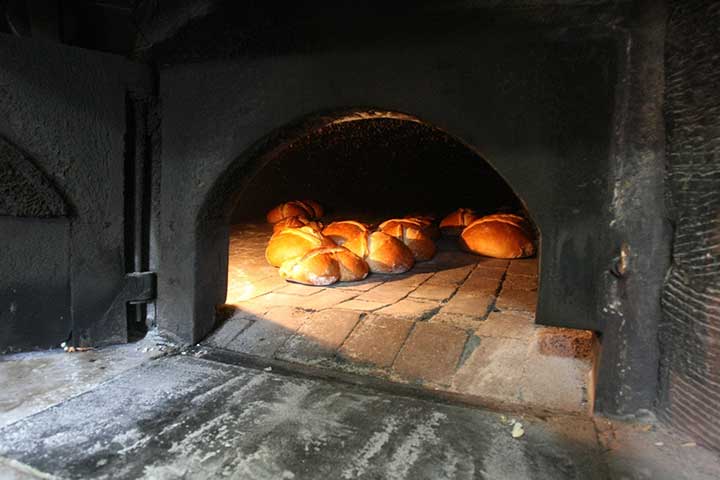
{"type": "Point", "coordinates": [35, 238]}
{"type": "Point", "coordinates": [249, 171]}
{"type": "Point", "coordinates": [25, 191]}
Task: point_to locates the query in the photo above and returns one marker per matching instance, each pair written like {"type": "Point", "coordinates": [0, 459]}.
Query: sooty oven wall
{"type": "Point", "coordinates": [62, 148]}
{"type": "Point", "coordinates": [691, 296]}
{"type": "Point", "coordinates": [563, 101]}
{"type": "Point", "coordinates": [377, 169]}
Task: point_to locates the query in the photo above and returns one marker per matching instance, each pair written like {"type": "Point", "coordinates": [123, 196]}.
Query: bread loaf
{"type": "Point", "coordinates": [297, 222]}
{"type": "Point", "coordinates": [454, 223]}
{"type": "Point", "coordinates": [387, 254]}
{"type": "Point", "coordinates": [411, 233]}
{"type": "Point", "coordinates": [294, 242]}
{"type": "Point", "coordinates": [315, 206]}
{"type": "Point", "coordinates": [429, 226]}
{"type": "Point", "coordinates": [344, 231]}
{"type": "Point", "coordinates": [499, 236]}
{"type": "Point", "coordinates": [296, 208]}
{"type": "Point", "coordinates": [324, 266]}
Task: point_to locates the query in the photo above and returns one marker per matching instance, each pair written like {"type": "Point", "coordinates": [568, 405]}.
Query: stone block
{"type": "Point", "coordinates": [523, 266]}
{"type": "Point", "coordinates": [375, 341]}
{"type": "Point", "coordinates": [451, 276]}
{"type": "Point", "coordinates": [387, 293]}
{"type": "Point", "coordinates": [319, 337]}
{"type": "Point", "coordinates": [431, 353]}
{"type": "Point", "coordinates": [493, 371]}
{"type": "Point", "coordinates": [327, 299]}
{"type": "Point", "coordinates": [565, 342]}
{"type": "Point", "coordinates": [517, 325]}
{"type": "Point", "coordinates": [439, 293]}
{"type": "Point", "coordinates": [469, 305]}
{"type": "Point", "coordinates": [361, 305]}
{"type": "Point", "coordinates": [267, 334]}
{"type": "Point", "coordinates": [300, 289]}
{"type": "Point", "coordinates": [413, 308]}
{"type": "Point", "coordinates": [514, 299]}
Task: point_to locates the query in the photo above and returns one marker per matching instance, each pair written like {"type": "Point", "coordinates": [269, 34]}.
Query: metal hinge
{"type": "Point", "coordinates": [140, 287]}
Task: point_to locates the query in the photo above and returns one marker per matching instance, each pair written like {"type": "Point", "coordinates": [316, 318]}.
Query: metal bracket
{"type": "Point", "coordinates": [140, 287]}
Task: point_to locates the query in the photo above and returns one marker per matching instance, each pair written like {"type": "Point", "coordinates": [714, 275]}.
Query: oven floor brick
{"type": "Point", "coordinates": [319, 337]}
{"type": "Point", "coordinates": [494, 370]}
{"type": "Point", "coordinates": [387, 293]}
{"type": "Point", "coordinates": [516, 325]}
{"type": "Point", "coordinates": [411, 308]}
{"type": "Point", "coordinates": [513, 299]}
{"type": "Point", "coordinates": [431, 353]}
{"type": "Point", "coordinates": [362, 305]}
{"type": "Point", "coordinates": [459, 323]}
{"type": "Point", "coordinates": [376, 341]}
{"type": "Point", "coordinates": [439, 293]}
{"type": "Point", "coordinates": [472, 305]}
{"type": "Point", "coordinates": [267, 334]}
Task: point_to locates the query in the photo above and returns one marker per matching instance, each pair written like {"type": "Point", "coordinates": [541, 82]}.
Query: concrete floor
{"type": "Point", "coordinates": [458, 325]}
{"type": "Point", "coordinates": [164, 415]}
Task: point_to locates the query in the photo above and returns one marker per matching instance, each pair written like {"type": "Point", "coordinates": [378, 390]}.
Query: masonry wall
{"type": "Point", "coordinates": [62, 133]}
{"type": "Point", "coordinates": [690, 330]}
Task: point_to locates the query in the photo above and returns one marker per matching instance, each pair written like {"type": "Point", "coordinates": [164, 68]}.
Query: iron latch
{"type": "Point", "coordinates": [140, 287]}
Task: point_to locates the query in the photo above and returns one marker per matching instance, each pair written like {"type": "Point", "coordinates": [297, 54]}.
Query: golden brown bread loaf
{"type": "Point", "coordinates": [294, 242]}
{"type": "Point", "coordinates": [296, 208]}
{"type": "Point", "coordinates": [315, 206]}
{"type": "Point", "coordinates": [297, 222]}
{"type": "Point", "coordinates": [501, 236]}
{"type": "Point", "coordinates": [428, 223]}
{"type": "Point", "coordinates": [454, 223]}
{"type": "Point", "coordinates": [324, 266]}
{"type": "Point", "coordinates": [345, 230]}
{"type": "Point", "coordinates": [411, 233]}
{"type": "Point", "coordinates": [382, 252]}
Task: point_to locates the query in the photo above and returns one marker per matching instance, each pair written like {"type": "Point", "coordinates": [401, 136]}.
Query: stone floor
{"type": "Point", "coordinates": [169, 414]}
{"type": "Point", "coordinates": [460, 325]}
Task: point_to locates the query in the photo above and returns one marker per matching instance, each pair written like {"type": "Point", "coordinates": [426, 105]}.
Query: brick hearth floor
{"type": "Point", "coordinates": [460, 325]}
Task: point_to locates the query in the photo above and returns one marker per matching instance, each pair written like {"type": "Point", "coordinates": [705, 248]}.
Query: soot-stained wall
{"type": "Point", "coordinates": [533, 99]}
{"type": "Point", "coordinates": [64, 109]}
{"type": "Point", "coordinates": [377, 168]}
{"type": "Point", "coordinates": [691, 297]}
{"type": "Point", "coordinates": [563, 101]}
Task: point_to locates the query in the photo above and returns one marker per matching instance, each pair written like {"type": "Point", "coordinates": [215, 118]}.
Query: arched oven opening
{"type": "Point", "coordinates": [459, 321]}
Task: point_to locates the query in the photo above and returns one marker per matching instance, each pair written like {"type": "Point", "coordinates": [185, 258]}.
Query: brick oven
{"type": "Point", "coordinates": [141, 155]}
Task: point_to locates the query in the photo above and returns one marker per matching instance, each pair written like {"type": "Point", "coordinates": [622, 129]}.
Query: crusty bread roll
{"type": "Point", "coordinates": [411, 233]}
{"type": "Point", "coordinates": [428, 223]}
{"type": "Point", "coordinates": [315, 206]}
{"type": "Point", "coordinates": [344, 231]}
{"type": "Point", "coordinates": [500, 236]}
{"type": "Point", "coordinates": [296, 208]}
{"type": "Point", "coordinates": [297, 222]}
{"type": "Point", "coordinates": [454, 223]}
{"type": "Point", "coordinates": [382, 252]}
{"type": "Point", "coordinates": [324, 266]}
{"type": "Point", "coordinates": [294, 242]}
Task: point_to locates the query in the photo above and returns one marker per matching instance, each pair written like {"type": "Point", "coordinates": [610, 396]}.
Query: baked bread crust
{"type": "Point", "coordinates": [413, 235]}
{"type": "Point", "coordinates": [500, 235]}
{"type": "Point", "coordinates": [428, 225]}
{"type": "Point", "coordinates": [345, 231]}
{"type": "Point", "coordinates": [387, 254]}
{"type": "Point", "coordinates": [325, 266]}
{"type": "Point", "coordinates": [294, 242]}
{"type": "Point", "coordinates": [297, 222]}
{"type": "Point", "coordinates": [295, 208]}
{"type": "Point", "coordinates": [454, 223]}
